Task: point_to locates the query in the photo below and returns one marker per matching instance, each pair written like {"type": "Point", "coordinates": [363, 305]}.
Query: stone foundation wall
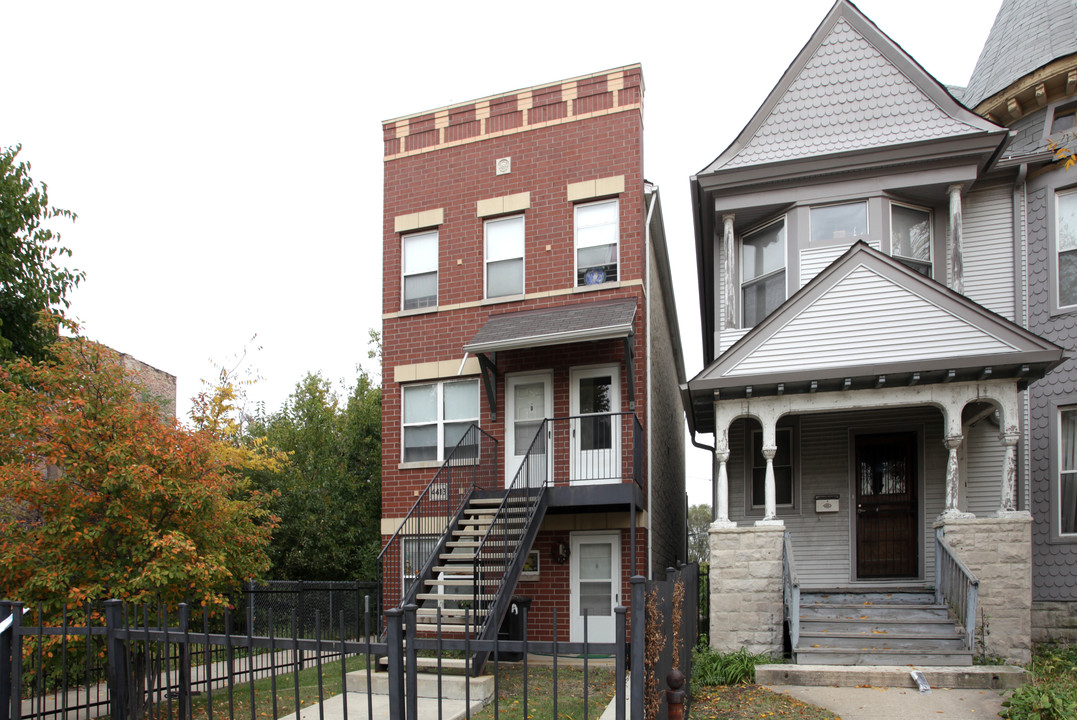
{"type": "Point", "coordinates": [746, 588]}
{"type": "Point", "coordinates": [998, 551]}
{"type": "Point", "coordinates": [1054, 622]}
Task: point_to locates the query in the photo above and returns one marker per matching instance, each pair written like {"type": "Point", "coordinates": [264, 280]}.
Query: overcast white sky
{"type": "Point", "coordinates": [225, 158]}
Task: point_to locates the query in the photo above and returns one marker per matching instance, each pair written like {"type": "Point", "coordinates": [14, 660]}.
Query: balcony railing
{"type": "Point", "coordinates": [590, 450]}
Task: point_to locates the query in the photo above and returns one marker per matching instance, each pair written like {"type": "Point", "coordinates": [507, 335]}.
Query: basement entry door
{"type": "Point", "coordinates": [886, 506]}
{"type": "Point", "coordinates": [596, 585]}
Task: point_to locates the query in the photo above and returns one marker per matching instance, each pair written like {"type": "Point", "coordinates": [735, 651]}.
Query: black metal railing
{"type": "Point", "coordinates": [409, 554]}
{"type": "Point", "coordinates": [602, 448]}
{"type": "Point", "coordinates": [499, 553]}
{"type": "Point", "coordinates": [131, 662]}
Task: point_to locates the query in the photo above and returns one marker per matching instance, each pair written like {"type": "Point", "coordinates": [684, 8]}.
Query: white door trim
{"type": "Point", "coordinates": [599, 628]}
{"type": "Point", "coordinates": [512, 461]}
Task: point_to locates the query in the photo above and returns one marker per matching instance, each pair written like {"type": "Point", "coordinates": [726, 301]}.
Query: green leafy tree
{"type": "Point", "coordinates": [699, 520]}
{"type": "Point", "coordinates": [31, 278]}
{"type": "Point", "coordinates": [103, 498]}
{"type": "Point", "coordinates": [328, 493]}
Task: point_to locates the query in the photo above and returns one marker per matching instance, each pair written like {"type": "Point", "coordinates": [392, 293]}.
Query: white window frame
{"type": "Point", "coordinates": [488, 261]}
{"type": "Point", "coordinates": [848, 239]}
{"type": "Point", "coordinates": [783, 433]}
{"type": "Point", "coordinates": [930, 241]}
{"type": "Point", "coordinates": [404, 274]}
{"type": "Point", "coordinates": [440, 421]}
{"type": "Point", "coordinates": [1057, 250]}
{"type": "Point", "coordinates": [1060, 501]}
{"type": "Point", "coordinates": [783, 270]}
{"type": "Point", "coordinates": [616, 203]}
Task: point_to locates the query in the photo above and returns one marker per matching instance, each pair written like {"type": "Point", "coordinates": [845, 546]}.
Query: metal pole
{"type": "Point", "coordinates": [639, 625]}
{"type": "Point", "coordinates": [394, 641]}
{"type": "Point", "coordinates": [411, 680]}
{"type": "Point", "coordinates": [117, 660]}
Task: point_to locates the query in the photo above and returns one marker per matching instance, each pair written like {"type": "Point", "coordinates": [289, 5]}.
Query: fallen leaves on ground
{"type": "Point", "coordinates": [744, 702]}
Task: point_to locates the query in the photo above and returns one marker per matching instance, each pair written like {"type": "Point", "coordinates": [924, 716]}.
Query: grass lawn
{"type": "Point", "coordinates": [740, 702]}
{"type": "Point", "coordinates": [540, 693]}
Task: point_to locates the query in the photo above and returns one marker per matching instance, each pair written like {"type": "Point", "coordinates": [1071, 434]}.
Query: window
{"type": "Point", "coordinates": [504, 256]}
{"type": "Point", "coordinates": [436, 416]}
{"type": "Point", "coordinates": [1063, 120]}
{"type": "Point", "coordinates": [783, 469]}
{"type": "Point", "coordinates": [910, 237]}
{"type": "Point", "coordinates": [1067, 473]}
{"type": "Point", "coordinates": [839, 222]}
{"type": "Point", "coordinates": [1066, 239]}
{"type": "Point", "coordinates": [597, 232]}
{"type": "Point", "coordinates": [420, 261]}
{"type": "Point", "coordinates": [762, 283]}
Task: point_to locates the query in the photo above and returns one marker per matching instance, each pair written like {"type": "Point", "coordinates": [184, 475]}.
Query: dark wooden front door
{"type": "Point", "coordinates": [886, 517]}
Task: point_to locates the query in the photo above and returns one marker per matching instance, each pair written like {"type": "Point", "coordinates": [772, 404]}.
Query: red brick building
{"type": "Point", "coordinates": [527, 290]}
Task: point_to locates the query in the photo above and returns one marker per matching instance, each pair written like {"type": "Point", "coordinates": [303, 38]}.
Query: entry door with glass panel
{"type": "Point", "coordinates": [596, 585]}
{"type": "Point", "coordinates": [887, 541]}
{"type": "Point", "coordinates": [529, 400]}
{"type": "Point", "coordinates": [595, 428]}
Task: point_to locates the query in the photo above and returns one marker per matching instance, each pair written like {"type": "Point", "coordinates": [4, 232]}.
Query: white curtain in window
{"type": "Point", "coordinates": [1068, 472]}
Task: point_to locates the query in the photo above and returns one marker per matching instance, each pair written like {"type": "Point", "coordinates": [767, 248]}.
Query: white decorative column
{"type": "Point", "coordinates": [721, 491]}
{"type": "Point", "coordinates": [1008, 491]}
{"type": "Point", "coordinates": [957, 271]}
{"type": "Point", "coordinates": [729, 280]}
{"type": "Point", "coordinates": [953, 479]}
{"type": "Point", "coordinates": [770, 505]}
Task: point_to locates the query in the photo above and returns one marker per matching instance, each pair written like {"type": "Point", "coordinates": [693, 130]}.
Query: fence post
{"type": "Point", "coordinates": [185, 662]}
{"type": "Point", "coordinates": [394, 645]}
{"type": "Point", "coordinates": [119, 697]}
{"type": "Point", "coordinates": [636, 663]}
{"type": "Point", "coordinates": [675, 696]}
{"type": "Point", "coordinates": [5, 663]}
{"type": "Point", "coordinates": [16, 660]}
{"type": "Point", "coordinates": [412, 680]}
{"type": "Point", "coordinates": [619, 673]}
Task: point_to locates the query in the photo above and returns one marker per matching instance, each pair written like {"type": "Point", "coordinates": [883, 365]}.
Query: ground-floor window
{"type": "Point", "coordinates": [1067, 472]}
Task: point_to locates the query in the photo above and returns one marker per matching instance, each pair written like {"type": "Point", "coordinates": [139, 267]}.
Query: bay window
{"type": "Point", "coordinates": [762, 272]}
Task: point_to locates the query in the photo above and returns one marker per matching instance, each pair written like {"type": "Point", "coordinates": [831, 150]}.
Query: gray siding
{"type": "Point", "coordinates": [1053, 560]}
{"type": "Point", "coordinates": [1029, 134]}
{"type": "Point", "coordinates": [822, 542]}
{"type": "Point", "coordinates": [984, 456]}
{"type": "Point", "coordinates": [988, 249]}
{"type": "Point", "coordinates": [666, 420]}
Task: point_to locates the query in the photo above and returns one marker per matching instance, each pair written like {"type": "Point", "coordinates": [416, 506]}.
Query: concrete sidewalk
{"type": "Point", "coordinates": [891, 703]}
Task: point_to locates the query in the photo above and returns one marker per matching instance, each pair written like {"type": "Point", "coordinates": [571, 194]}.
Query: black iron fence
{"type": "Point", "coordinates": [128, 662]}
{"type": "Point", "coordinates": [308, 599]}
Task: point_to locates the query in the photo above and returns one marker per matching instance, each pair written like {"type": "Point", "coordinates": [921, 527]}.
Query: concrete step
{"type": "Point", "coordinates": [881, 656]}
{"type": "Point", "coordinates": [429, 663]}
{"type": "Point", "coordinates": [452, 686]}
{"type": "Point", "coordinates": [979, 677]}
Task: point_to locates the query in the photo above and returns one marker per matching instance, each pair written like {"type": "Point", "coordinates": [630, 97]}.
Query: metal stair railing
{"type": "Point", "coordinates": [408, 556]}
{"type": "Point", "coordinates": [956, 586]}
{"type": "Point", "coordinates": [500, 553]}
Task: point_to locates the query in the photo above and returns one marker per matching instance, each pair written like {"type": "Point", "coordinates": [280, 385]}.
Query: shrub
{"type": "Point", "coordinates": [711, 667]}
{"type": "Point", "coordinates": [1052, 693]}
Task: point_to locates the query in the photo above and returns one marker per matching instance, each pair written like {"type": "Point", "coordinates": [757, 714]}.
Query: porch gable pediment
{"type": "Point", "coordinates": [868, 314]}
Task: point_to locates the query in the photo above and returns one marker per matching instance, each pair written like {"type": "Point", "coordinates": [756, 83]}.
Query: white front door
{"type": "Point", "coordinates": [596, 432]}
{"type": "Point", "coordinates": [528, 400]}
{"type": "Point", "coordinates": [596, 585]}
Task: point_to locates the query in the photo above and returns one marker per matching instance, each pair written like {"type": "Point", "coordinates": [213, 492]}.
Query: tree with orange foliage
{"type": "Point", "coordinates": [101, 498]}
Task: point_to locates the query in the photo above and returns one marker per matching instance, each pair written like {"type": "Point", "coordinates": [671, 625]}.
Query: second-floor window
{"type": "Point", "coordinates": [436, 416]}
{"type": "Point", "coordinates": [1066, 245]}
{"type": "Point", "coordinates": [420, 264]}
{"type": "Point", "coordinates": [910, 237]}
{"type": "Point", "coordinates": [597, 235]}
{"type": "Point", "coordinates": [504, 256]}
{"type": "Point", "coordinates": [762, 284]}
{"type": "Point", "coordinates": [847, 221]}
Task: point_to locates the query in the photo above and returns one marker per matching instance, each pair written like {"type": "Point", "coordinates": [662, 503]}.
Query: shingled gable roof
{"type": "Point", "coordinates": [850, 88]}
{"type": "Point", "coordinates": [866, 316]}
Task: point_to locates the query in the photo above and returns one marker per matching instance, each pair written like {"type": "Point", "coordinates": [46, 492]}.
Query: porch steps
{"type": "Point", "coordinates": [978, 677]}
{"type": "Point", "coordinates": [880, 626]}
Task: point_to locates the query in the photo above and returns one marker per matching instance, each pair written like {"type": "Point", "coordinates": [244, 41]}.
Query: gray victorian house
{"type": "Point", "coordinates": [888, 287]}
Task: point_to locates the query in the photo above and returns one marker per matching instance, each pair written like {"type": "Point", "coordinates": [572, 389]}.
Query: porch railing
{"type": "Point", "coordinates": [791, 592]}
{"type": "Point", "coordinates": [601, 448]}
{"type": "Point", "coordinates": [956, 586]}
{"type": "Point", "coordinates": [409, 555]}
{"type": "Point", "coordinates": [500, 551]}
